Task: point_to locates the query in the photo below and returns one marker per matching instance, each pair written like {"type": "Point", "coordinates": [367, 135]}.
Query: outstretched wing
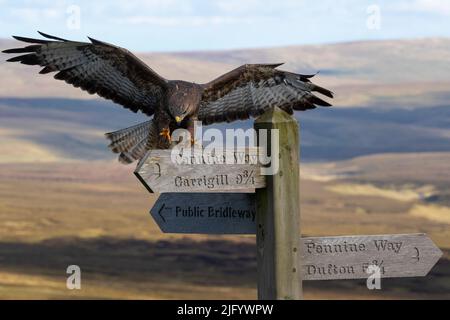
{"type": "Point", "coordinates": [111, 72]}
{"type": "Point", "coordinates": [251, 89]}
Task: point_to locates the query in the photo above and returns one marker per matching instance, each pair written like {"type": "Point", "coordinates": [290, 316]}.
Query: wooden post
{"type": "Point", "coordinates": [278, 214]}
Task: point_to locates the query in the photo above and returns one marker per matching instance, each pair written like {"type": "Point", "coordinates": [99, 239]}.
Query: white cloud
{"type": "Point", "coordinates": [236, 6]}
{"type": "Point", "coordinates": [257, 6]}
{"type": "Point", "coordinates": [437, 6]}
{"type": "Point", "coordinates": [191, 21]}
{"type": "Point", "coordinates": [34, 15]}
{"type": "Point", "coordinates": [150, 5]}
{"type": "Point", "coordinates": [441, 7]}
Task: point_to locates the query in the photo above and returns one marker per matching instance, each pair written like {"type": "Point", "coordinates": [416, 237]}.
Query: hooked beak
{"type": "Point", "coordinates": [178, 119]}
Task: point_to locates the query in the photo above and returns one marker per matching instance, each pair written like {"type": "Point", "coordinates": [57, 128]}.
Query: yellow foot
{"type": "Point", "coordinates": [165, 133]}
{"type": "Point", "coordinates": [196, 144]}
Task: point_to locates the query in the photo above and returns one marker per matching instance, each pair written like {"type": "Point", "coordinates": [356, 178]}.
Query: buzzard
{"type": "Point", "coordinates": [115, 73]}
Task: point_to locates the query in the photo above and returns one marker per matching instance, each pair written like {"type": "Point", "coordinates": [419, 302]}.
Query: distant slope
{"type": "Point", "coordinates": [58, 129]}
{"type": "Point", "coordinates": [412, 73]}
{"type": "Point", "coordinates": [67, 129]}
{"type": "Point", "coordinates": [398, 90]}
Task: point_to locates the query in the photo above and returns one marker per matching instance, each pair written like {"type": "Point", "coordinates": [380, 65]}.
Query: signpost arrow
{"type": "Point", "coordinates": [399, 255]}
{"type": "Point", "coordinates": [198, 173]}
{"type": "Point", "coordinates": [210, 213]}
{"type": "Point", "coordinates": [322, 258]}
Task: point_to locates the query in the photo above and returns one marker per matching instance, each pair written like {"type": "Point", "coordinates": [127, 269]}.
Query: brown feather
{"type": "Point", "coordinates": [111, 72]}
{"type": "Point", "coordinates": [250, 90]}
{"type": "Point", "coordinates": [52, 37]}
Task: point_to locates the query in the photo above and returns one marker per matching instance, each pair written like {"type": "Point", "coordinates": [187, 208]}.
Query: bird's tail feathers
{"type": "Point", "coordinates": [135, 153]}
{"type": "Point", "coordinates": [133, 143]}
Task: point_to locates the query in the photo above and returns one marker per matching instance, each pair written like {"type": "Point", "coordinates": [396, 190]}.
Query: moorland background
{"type": "Point", "coordinates": [377, 162]}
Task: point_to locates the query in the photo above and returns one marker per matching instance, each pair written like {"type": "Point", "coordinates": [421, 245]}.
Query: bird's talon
{"type": "Point", "coordinates": [165, 133]}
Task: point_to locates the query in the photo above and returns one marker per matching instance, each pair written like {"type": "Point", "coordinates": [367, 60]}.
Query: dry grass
{"type": "Point", "coordinates": [15, 149]}
{"type": "Point", "coordinates": [439, 214]}
{"type": "Point", "coordinates": [404, 193]}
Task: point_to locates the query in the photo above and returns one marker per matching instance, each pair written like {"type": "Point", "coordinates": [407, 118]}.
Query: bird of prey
{"type": "Point", "coordinates": [115, 73]}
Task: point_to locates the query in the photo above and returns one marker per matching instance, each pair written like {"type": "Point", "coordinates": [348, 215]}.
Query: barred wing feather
{"type": "Point", "coordinates": [250, 90]}
{"type": "Point", "coordinates": [99, 68]}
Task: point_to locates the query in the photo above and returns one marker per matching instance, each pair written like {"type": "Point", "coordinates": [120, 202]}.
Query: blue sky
{"type": "Point", "coordinates": [185, 25]}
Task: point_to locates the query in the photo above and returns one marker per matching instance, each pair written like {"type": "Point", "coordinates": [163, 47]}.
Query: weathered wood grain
{"type": "Point", "coordinates": [347, 257]}
{"type": "Point", "coordinates": [205, 213]}
{"type": "Point", "coordinates": [278, 214]}
{"type": "Point", "coordinates": [198, 173]}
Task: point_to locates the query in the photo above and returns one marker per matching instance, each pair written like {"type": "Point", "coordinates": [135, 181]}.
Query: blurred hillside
{"type": "Point", "coordinates": [378, 162]}
{"type": "Point", "coordinates": [408, 73]}
{"type": "Point", "coordinates": [43, 129]}
{"type": "Point", "coordinates": [398, 92]}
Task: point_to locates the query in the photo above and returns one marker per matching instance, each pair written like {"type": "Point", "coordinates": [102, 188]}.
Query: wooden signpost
{"type": "Point", "coordinates": [191, 203]}
{"type": "Point", "coordinates": [211, 213]}
{"type": "Point", "coordinates": [278, 213]}
{"type": "Point", "coordinates": [322, 258]}
{"type": "Point", "coordinates": [396, 255]}
{"type": "Point", "coordinates": [158, 172]}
